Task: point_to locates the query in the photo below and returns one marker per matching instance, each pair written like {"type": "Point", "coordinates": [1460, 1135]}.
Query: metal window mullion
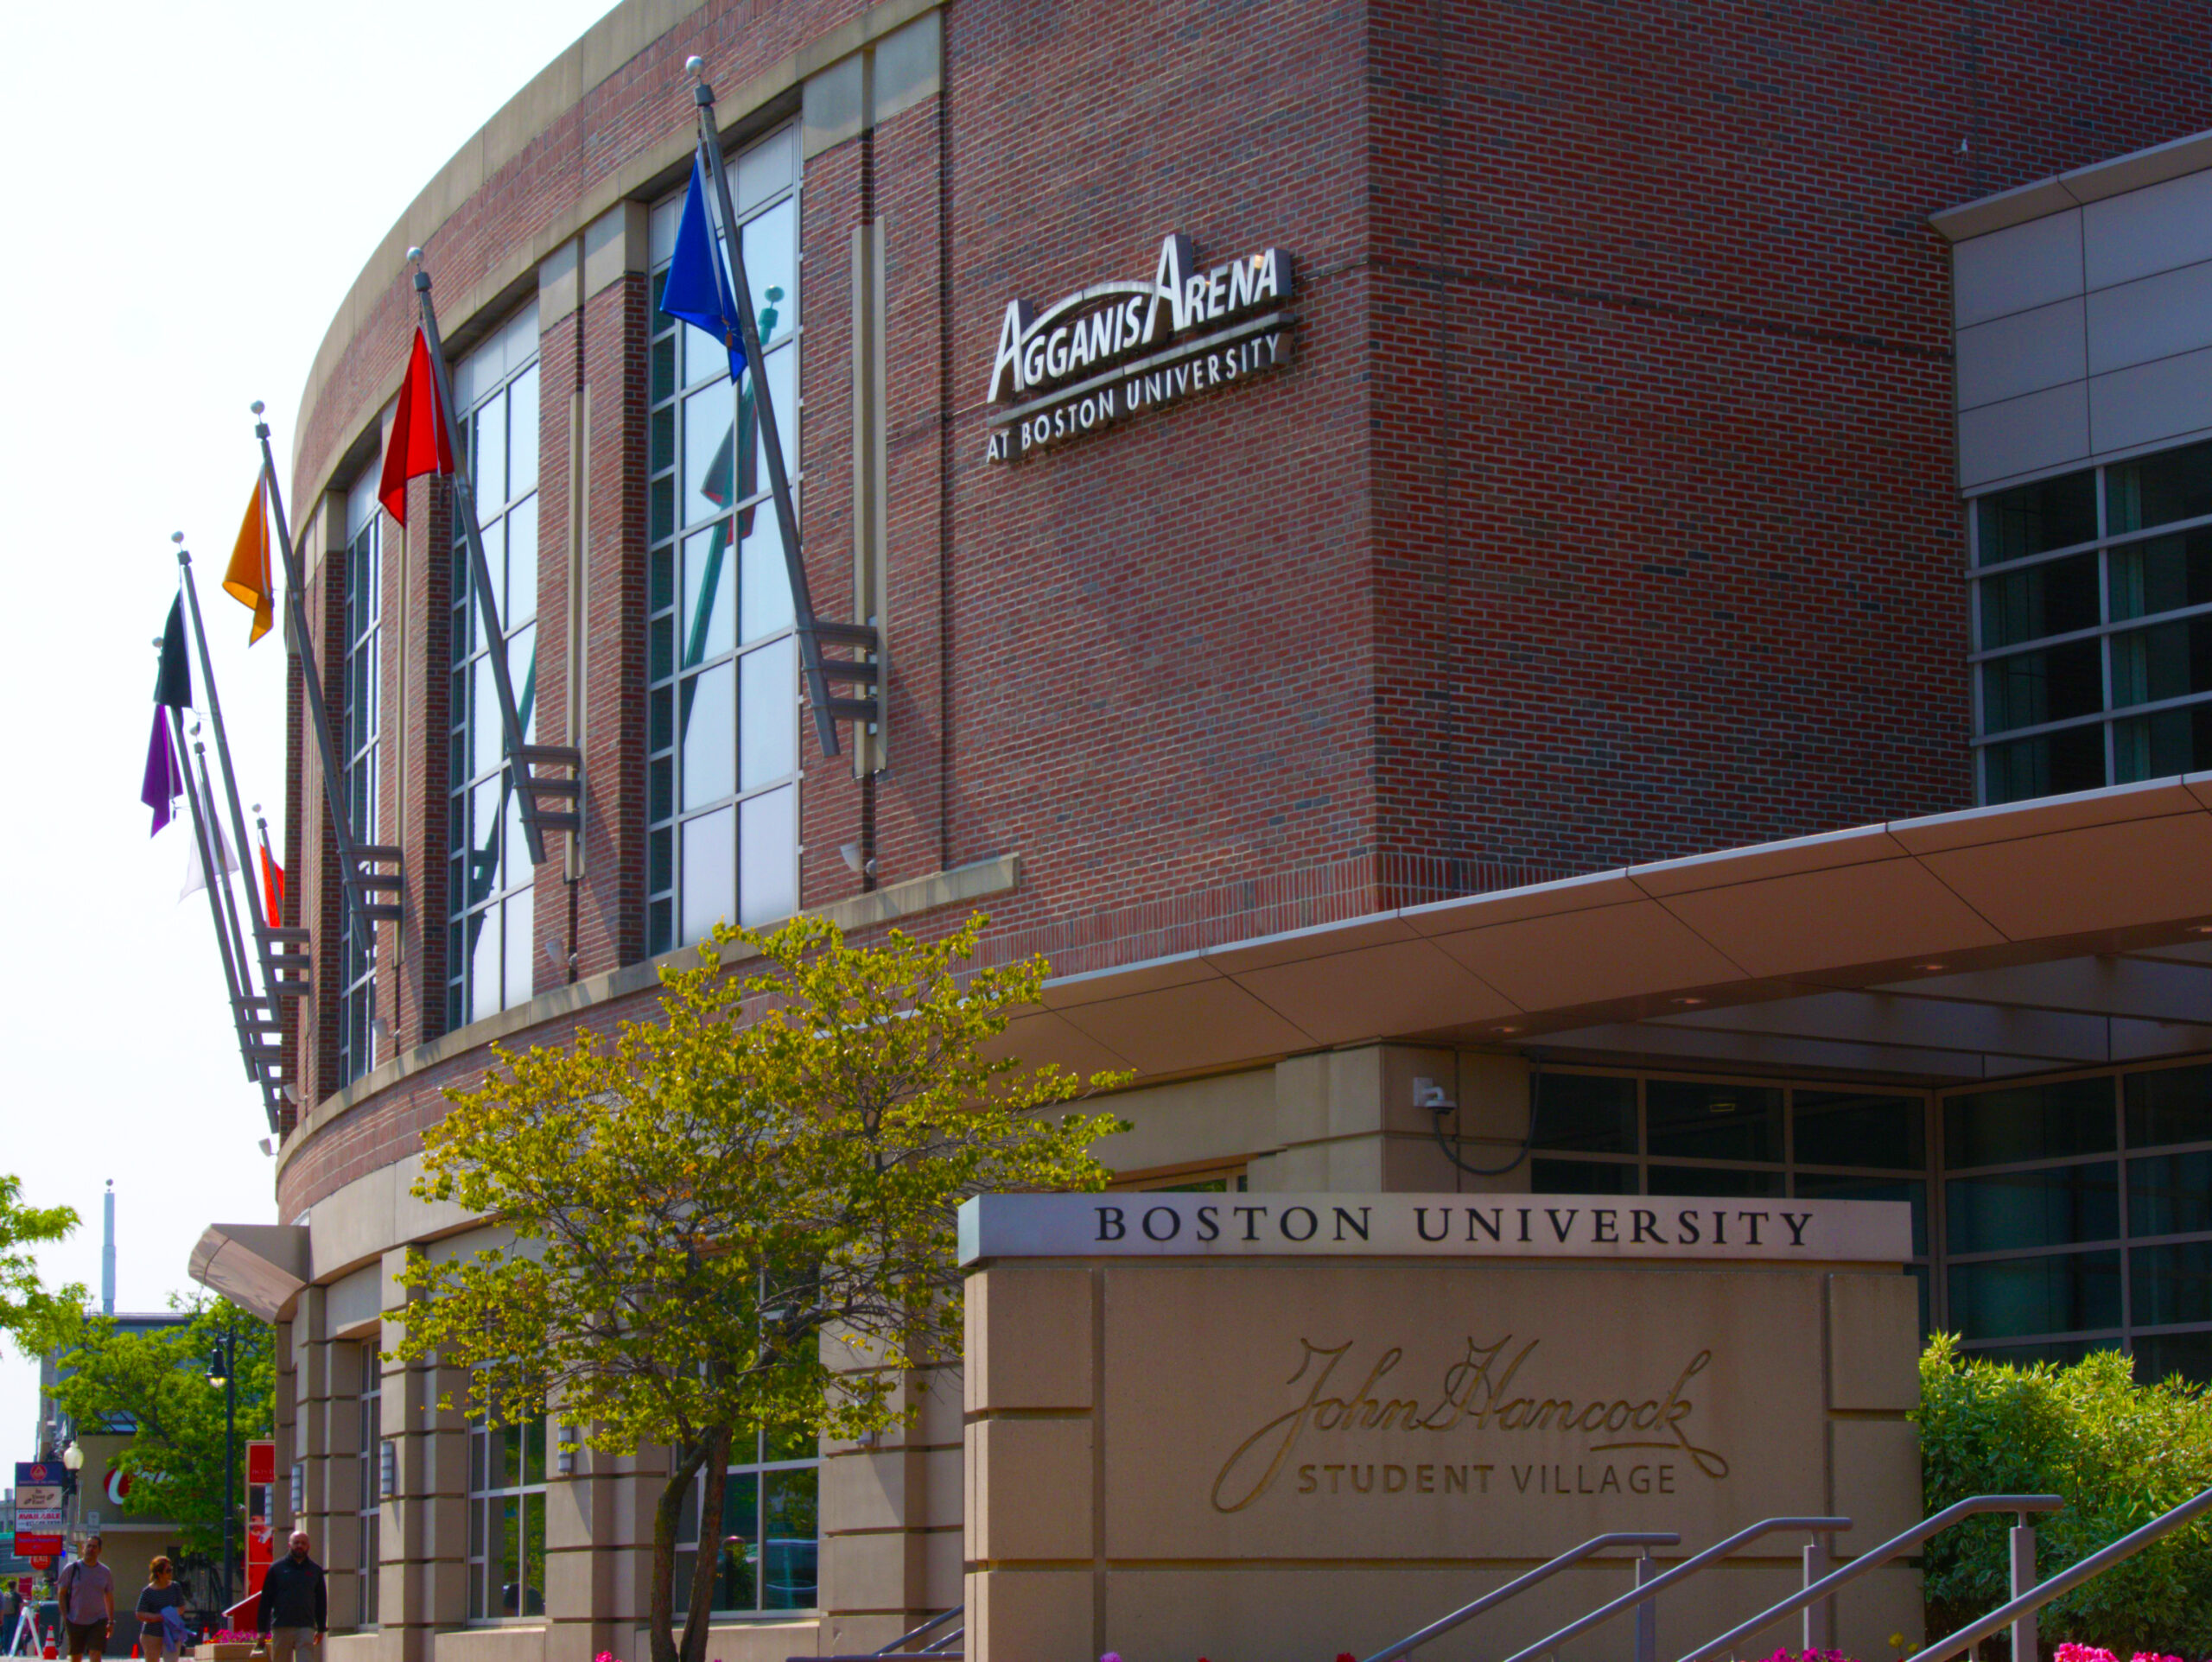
{"type": "Point", "coordinates": [2105, 628]}
{"type": "Point", "coordinates": [2006, 1254]}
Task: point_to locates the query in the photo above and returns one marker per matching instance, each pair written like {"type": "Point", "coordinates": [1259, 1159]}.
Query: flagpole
{"type": "Point", "coordinates": [217, 872]}
{"type": "Point", "coordinates": [772, 437]}
{"type": "Point", "coordinates": [333, 779]}
{"type": "Point", "coordinates": [222, 749]}
{"type": "Point", "coordinates": [214, 906]}
{"type": "Point", "coordinates": [480, 571]}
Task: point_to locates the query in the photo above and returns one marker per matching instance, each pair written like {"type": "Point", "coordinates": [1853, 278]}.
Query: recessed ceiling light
{"type": "Point", "coordinates": [1690, 1001]}
{"type": "Point", "coordinates": [1931, 966]}
{"type": "Point", "coordinates": [1508, 1030]}
{"type": "Point", "coordinates": [2201, 928]}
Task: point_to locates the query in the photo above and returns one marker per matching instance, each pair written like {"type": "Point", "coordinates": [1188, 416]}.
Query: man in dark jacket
{"type": "Point", "coordinates": [295, 1608]}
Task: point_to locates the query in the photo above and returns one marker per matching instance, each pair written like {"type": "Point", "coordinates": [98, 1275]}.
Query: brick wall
{"type": "Point", "coordinates": [1604, 512]}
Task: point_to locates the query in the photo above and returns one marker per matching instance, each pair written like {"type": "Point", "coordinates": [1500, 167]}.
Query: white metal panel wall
{"type": "Point", "coordinates": [2085, 334]}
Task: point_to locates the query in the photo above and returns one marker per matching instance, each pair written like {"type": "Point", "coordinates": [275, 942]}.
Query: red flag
{"type": "Point", "coordinates": [272, 885]}
{"type": "Point", "coordinates": [418, 444]}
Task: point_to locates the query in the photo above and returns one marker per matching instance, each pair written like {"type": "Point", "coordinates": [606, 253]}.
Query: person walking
{"type": "Point", "coordinates": [294, 1607]}
{"type": "Point", "coordinates": [87, 1590]}
{"type": "Point", "coordinates": [162, 1593]}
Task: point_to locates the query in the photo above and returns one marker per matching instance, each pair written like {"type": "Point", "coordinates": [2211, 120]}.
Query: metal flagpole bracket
{"type": "Point", "coordinates": [366, 872]}
{"type": "Point", "coordinates": [812, 633]}
{"type": "Point", "coordinates": [522, 758]}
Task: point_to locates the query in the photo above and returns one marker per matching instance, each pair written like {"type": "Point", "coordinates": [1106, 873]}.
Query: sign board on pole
{"type": "Point", "coordinates": [39, 1507]}
{"type": "Point", "coordinates": [260, 1508]}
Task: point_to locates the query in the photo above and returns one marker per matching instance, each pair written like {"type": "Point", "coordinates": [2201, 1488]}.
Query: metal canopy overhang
{"type": "Point", "coordinates": [258, 1266]}
{"type": "Point", "coordinates": [2069, 932]}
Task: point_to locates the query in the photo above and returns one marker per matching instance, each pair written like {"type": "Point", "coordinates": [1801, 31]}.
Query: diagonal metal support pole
{"type": "Point", "coordinates": [207, 865]}
{"type": "Point", "coordinates": [230, 775]}
{"type": "Point", "coordinates": [333, 778]}
{"type": "Point", "coordinates": [480, 575]}
{"type": "Point", "coordinates": [808, 631]}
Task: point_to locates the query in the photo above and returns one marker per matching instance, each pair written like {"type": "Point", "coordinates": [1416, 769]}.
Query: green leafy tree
{"type": "Point", "coordinates": [2118, 1453]}
{"type": "Point", "coordinates": [154, 1386]}
{"type": "Point", "coordinates": [25, 1304]}
{"type": "Point", "coordinates": [742, 1214]}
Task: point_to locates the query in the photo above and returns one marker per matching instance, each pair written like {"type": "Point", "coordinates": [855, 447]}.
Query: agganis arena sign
{"type": "Point", "coordinates": [1106, 351]}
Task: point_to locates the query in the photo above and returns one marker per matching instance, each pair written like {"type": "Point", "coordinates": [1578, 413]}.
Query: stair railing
{"type": "Point", "coordinates": [1649, 1586]}
{"type": "Point", "coordinates": [1519, 1584]}
{"type": "Point", "coordinates": [1821, 1592]}
{"type": "Point", "coordinates": [2020, 1610]}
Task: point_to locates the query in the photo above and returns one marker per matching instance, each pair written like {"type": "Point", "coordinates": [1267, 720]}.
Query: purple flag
{"type": "Point", "coordinates": [164, 778]}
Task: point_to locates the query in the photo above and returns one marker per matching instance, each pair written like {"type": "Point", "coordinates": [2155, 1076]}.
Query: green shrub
{"type": "Point", "coordinates": [2118, 1453]}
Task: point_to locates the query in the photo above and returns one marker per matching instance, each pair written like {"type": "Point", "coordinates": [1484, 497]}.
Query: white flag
{"type": "Point", "coordinates": [195, 876]}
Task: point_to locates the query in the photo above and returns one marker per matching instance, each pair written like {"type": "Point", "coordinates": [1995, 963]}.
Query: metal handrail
{"type": "Point", "coordinates": [901, 1642]}
{"type": "Point", "coordinates": [1522, 1583]}
{"type": "Point", "coordinates": [1895, 1546]}
{"type": "Point", "coordinates": [1682, 1571]}
{"type": "Point", "coordinates": [2067, 1580]}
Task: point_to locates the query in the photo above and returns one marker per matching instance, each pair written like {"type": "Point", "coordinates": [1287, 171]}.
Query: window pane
{"type": "Point", "coordinates": [520, 972]}
{"type": "Point", "coordinates": [2050, 765]}
{"type": "Point", "coordinates": [1584, 1111]}
{"type": "Point", "coordinates": [2170, 1195]}
{"type": "Point", "coordinates": [533, 1555]}
{"type": "Point", "coordinates": [2029, 688]}
{"type": "Point", "coordinates": [766, 586]}
{"type": "Point", "coordinates": [706, 724]}
{"type": "Point", "coordinates": [787, 1444]}
{"type": "Point", "coordinates": [484, 964]}
{"type": "Point", "coordinates": [2052, 513]}
{"type": "Point", "coordinates": [771, 270]}
{"type": "Point", "coordinates": [2033, 1209]}
{"type": "Point", "coordinates": [1815, 1185]}
{"type": "Point", "coordinates": [2052, 600]}
{"type": "Point", "coordinates": [785, 398]}
{"type": "Point", "coordinates": [1713, 1180]}
{"type": "Point", "coordinates": [2165, 661]}
{"type": "Point", "coordinates": [2171, 1105]}
{"type": "Point", "coordinates": [1582, 1177]}
{"type": "Point", "coordinates": [769, 836]}
{"type": "Point", "coordinates": [2159, 745]}
{"type": "Point", "coordinates": [2033, 1122]}
{"type": "Point", "coordinates": [489, 442]}
{"type": "Point", "coordinates": [507, 1565]}
{"type": "Point", "coordinates": [1712, 1122]}
{"type": "Point", "coordinates": [706, 453]}
{"type": "Point", "coordinates": [2163, 574]}
{"type": "Point", "coordinates": [710, 887]}
{"type": "Point", "coordinates": [789, 1528]}
{"type": "Point", "coordinates": [2063, 1353]}
{"type": "Point", "coordinates": [707, 625]}
{"type": "Point", "coordinates": [522, 444]}
{"type": "Point", "coordinates": [2172, 1284]}
{"type": "Point", "coordinates": [2056, 1294]}
{"type": "Point", "coordinates": [489, 743]}
{"type": "Point", "coordinates": [1848, 1128]}
{"type": "Point", "coordinates": [768, 694]}
{"type": "Point", "coordinates": [2158, 489]}
{"type": "Point", "coordinates": [2161, 1356]}
{"type": "Point", "coordinates": [737, 1575]}
{"type": "Point", "coordinates": [522, 564]}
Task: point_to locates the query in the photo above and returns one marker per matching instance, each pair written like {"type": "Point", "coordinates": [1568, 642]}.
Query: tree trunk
{"type": "Point", "coordinates": [710, 1545]}
{"type": "Point", "coordinates": [668, 1513]}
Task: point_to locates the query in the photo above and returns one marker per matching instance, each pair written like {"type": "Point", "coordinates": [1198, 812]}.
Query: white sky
{"type": "Point", "coordinates": [189, 191]}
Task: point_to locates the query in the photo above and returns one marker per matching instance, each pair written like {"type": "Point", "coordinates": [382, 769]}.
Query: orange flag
{"type": "Point", "coordinates": [247, 582]}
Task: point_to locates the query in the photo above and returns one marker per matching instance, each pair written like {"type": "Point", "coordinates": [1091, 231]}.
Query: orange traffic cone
{"type": "Point", "coordinates": [50, 1651]}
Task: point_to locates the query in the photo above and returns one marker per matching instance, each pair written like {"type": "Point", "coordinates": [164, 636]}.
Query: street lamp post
{"type": "Point", "coordinates": [225, 1373]}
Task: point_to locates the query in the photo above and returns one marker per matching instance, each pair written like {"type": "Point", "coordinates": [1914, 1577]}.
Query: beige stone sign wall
{"type": "Point", "coordinates": [1246, 1458]}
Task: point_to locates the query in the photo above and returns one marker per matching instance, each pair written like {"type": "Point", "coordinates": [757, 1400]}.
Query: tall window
{"type": "Point", "coordinates": [488, 876]}
{"type": "Point", "coordinates": [371, 1502]}
{"type": "Point", "coordinates": [2079, 1216]}
{"type": "Point", "coordinates": [506, 1520]}
{"type": "Point", "coordinates": [722, 712]}
{"type": "Point", "coordinates": [2093, 626]}
{"type": "Point", "coordinates": [361, 722]}
{"type": "Point", "coordinates": [771, 1528]}
{"type": "Point", "coordinates": [1621, 1135]}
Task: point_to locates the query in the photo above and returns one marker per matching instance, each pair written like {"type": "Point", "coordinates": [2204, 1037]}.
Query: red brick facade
{"type": "Point", "coordinates": [1604, 512]}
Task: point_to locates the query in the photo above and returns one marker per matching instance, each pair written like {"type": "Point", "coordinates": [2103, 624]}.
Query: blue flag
{"type": "Point", "coordinates": [697, 289]}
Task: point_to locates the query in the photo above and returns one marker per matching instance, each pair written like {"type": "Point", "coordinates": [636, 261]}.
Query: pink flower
{"type": "Point", "coordinates": [2071, 1651]}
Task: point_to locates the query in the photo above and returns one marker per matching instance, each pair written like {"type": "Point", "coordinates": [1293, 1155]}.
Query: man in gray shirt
{"type": "Point", "coordinates": [87, 1590]}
